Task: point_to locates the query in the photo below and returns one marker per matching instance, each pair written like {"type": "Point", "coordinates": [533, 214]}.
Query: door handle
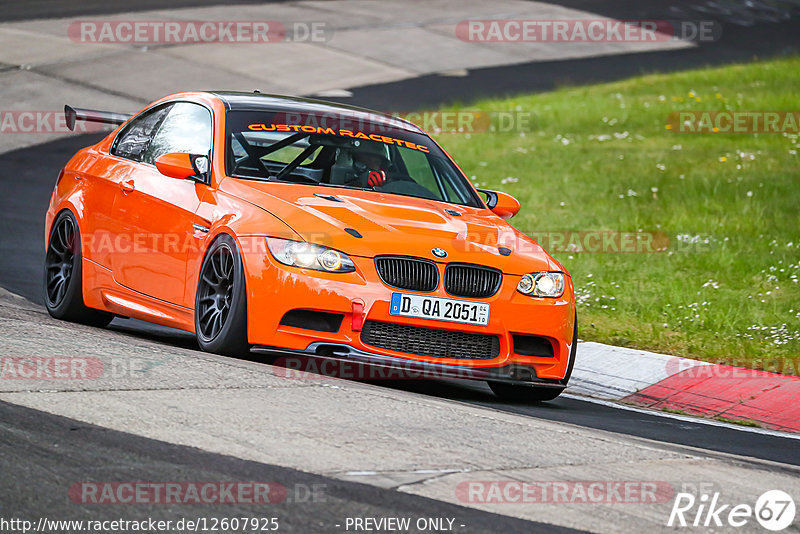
{"type": "Point", "coordinates": [127, 186]}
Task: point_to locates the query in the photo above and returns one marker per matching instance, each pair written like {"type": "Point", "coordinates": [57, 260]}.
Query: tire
{"type": "Point", "coordinates": [220, 308]}
{"type": "Point", "coordinates": [515, 393]}
{"type": "Point", "coordinates": [63, 275]}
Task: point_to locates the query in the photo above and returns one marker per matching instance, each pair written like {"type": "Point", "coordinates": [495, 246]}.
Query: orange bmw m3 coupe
{"type": "Point", "coordinates": [301, 227]}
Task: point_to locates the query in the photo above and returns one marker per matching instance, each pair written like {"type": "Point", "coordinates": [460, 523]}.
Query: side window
{"type": "Point", "coordinates": [134, 139]}
{"type": "Point", "coordinates": [187, 128]}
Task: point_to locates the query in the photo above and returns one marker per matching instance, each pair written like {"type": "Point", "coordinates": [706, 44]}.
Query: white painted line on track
{"type": "Point", "coordinates": [685, 418]}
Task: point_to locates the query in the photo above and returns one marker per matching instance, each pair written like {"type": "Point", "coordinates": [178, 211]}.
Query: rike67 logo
{"type": "Point", "coordinates": [774, 510]}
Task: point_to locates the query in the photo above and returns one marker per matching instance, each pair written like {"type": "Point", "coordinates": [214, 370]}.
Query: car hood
{"type": "Point", "coordinates": [394, 224]}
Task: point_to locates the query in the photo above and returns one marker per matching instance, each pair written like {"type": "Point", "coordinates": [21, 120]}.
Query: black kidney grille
{"type": "Point", "coordinates": [408, 273]}
{"type": "Point", "coordinates": [475, 281]}
{"type": "Point", "coordinates": [430, 341]}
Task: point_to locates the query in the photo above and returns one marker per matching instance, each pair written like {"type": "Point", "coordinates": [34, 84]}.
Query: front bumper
{"type": "Point", "coordinates": [274, 289]}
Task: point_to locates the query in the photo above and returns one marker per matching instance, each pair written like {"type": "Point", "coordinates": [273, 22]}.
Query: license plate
{"type": "Point", "coordinates": [439, 309]}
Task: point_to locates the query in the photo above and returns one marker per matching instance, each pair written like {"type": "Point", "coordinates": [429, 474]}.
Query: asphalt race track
{"type": "Point", "coordinates": [60, 451]}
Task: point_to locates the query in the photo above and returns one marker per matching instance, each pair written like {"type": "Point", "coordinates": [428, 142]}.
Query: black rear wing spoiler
{"type": "Point", "coordinates": [91, 115]}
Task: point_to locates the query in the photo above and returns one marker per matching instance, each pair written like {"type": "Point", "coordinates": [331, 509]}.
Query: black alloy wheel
{"type": "Point", "coordinates": [60, 261]}
{"type": "Point", "coordinates": [63, 275]}
{"type": "Point", "coordinates": [220, 303]}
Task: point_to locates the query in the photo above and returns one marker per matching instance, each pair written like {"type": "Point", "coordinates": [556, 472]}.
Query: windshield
{"type": "Point", "coordinates": [340, 151]}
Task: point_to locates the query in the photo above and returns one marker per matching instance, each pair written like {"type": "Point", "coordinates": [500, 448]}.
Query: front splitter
{"type": "Point", "coordinates": [522, 375]}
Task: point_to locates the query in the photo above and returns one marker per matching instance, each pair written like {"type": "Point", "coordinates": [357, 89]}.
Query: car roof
{"type": "Point", "coordinates": [240, 101]}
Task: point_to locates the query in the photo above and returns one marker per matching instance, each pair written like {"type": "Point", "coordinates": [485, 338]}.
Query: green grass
{"type": "Point", "coordinates": [675, 411]}
{"type": "Point", "coordinates": [741, 422]}
{"type": "Point", "coordinates": [732, 297]}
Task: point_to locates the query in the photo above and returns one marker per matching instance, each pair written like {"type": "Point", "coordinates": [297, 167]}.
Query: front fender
{"type": "Point", "coordinates": [247, 224]}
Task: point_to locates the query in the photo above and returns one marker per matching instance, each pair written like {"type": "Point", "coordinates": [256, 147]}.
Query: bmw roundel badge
{"type": "Point", "coordinates": [439, 252]}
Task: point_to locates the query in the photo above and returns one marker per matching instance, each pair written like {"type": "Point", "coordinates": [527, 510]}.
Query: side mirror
{"type": "Point", "coordinates": [182, 166]}
{"type": "Point", "coordinates": [502, 204]}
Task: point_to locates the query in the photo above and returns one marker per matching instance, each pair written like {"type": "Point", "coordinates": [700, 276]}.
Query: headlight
{"type": "Point", "coordinates": [543, 284]}
{"type": "Point", "coordinates": [309, 256]}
